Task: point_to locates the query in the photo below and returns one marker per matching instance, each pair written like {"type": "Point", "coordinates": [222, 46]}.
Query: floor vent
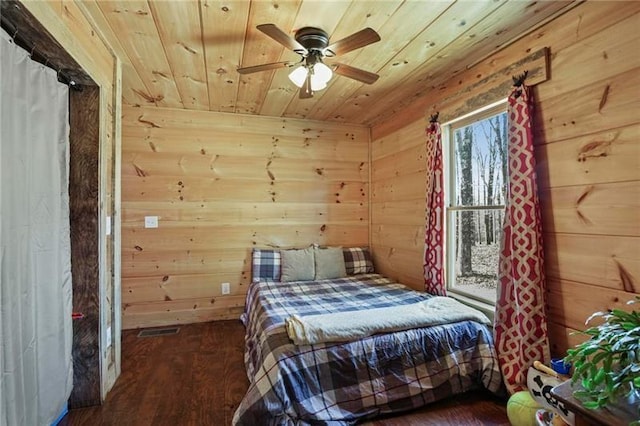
{"type": "Point", "coordinates": [159, 332]}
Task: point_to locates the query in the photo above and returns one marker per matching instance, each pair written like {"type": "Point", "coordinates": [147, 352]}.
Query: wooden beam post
{"type": "Point", "coordinates": [84, 138]}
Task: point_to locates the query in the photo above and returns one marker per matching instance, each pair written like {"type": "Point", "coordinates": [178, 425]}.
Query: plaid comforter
{"type": "Point", "coordinates": [342, 383]}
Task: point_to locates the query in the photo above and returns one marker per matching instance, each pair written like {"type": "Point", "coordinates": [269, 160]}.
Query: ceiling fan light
{"type": "Point", "coordinates": [298, 76]}
{"type": "Point", "coordinates": [322, 72]}
{"type": "Point", "coordinates": [317, 84]}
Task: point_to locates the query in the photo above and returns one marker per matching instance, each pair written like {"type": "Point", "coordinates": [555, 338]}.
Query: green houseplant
{"type": "Point", "coordinates": [607, 365]}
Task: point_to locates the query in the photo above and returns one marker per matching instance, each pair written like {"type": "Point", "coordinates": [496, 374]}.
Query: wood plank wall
{"type": "Point", "coordinates": [220, 185]}
{"type": "Point", "coordinates": [398, 186]}
{"type": "Point", "coordinates": [587, 145]}
{"type": "Point", "coordinates": [68, 24]}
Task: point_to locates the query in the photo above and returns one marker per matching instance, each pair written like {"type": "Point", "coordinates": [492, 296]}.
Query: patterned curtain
{"type": "Point", "coordinates": [434, 236]}
{"type": "Point", "coordinates": [520, 327]}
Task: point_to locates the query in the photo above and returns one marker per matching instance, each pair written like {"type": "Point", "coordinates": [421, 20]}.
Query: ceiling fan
{"type": "Point", "coordinates": [312, 44]}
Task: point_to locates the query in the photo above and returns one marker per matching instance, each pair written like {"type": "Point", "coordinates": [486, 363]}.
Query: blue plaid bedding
{"type": "Point", "coordinates": [343, 383]}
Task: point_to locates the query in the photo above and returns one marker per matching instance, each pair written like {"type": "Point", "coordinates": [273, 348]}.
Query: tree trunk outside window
{"type": "Point", "coordinates": [467, 233]}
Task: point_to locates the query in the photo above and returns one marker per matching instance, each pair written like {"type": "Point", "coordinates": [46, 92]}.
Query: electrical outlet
{"type": "Point", "coordinates": [108, 336]}
{"type": "Point", "coordinates": [151, 221]}
{"type": "Point", "coordinates": [226, 288]}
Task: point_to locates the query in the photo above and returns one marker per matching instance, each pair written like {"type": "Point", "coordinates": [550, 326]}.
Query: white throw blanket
{"type": "Point", "coordinates": [353, 325]}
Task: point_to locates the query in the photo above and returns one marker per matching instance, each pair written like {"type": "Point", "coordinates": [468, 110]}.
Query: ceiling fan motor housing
{"type": "Point", "coordinates": [312, 38]}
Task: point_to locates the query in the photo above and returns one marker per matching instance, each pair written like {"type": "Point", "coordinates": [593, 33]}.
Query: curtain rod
{"type": "Point", "coordinates": [21, 42]}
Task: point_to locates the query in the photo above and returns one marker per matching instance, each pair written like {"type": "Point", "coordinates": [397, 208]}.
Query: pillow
{"type": "Point", "coordinates": [357, 260]}
{"type": "Point", "coordinates": [298, 265]}
{"type": "Point", "coordinates": [266, 265]}
{"type": "Point", "coordinates": [329, 263]}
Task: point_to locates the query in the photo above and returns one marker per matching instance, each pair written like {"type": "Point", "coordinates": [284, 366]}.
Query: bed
{"type": "Point", "coordinates": [347, 382]}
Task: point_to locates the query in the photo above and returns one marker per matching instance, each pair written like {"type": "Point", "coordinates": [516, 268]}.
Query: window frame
{"type": "Point", "coordinates": [451, 208]}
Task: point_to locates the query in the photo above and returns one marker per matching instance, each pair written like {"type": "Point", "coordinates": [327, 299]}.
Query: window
{"type": "Point", "coordinates": [476, 164]}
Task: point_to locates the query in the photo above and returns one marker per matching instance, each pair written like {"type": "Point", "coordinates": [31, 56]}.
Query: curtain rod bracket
{"type": "Point", "coordinates": [434, 117]}
{"type": "Point", "coordinates": [518, 80]}
{"type": "Point", "coordinates": [69, 81]}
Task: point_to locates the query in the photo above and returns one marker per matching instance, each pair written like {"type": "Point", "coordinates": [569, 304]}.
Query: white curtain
{"type": "Point", "coordinates": [35, 266]}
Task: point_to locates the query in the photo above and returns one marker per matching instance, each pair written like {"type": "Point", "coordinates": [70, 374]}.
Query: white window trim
{"type": "Point", "coordinates": [484, 112]}
{"type": "Point", "coordinates": [486, 308]}
{"type": "Point", "coordinates": [448, 152]}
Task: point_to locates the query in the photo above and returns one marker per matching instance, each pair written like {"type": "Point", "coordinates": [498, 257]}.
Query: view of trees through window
{"type": "Point", "coordinates": [477, 190]}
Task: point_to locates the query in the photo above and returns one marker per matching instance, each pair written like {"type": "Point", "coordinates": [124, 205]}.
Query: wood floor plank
{"type": "Point", "coordinates": [236, 382]}
{"type": "Point", "coordinates": [197, 377]}
{"type": "Point", "coordinates": [205, 403]}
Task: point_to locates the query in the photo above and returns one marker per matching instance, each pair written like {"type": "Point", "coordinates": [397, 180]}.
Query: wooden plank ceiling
{"type": "Point", "coordinates": [184, 54]}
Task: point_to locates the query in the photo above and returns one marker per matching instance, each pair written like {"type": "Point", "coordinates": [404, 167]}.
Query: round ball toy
{"type": "Point", "coordinates": [521, 409]}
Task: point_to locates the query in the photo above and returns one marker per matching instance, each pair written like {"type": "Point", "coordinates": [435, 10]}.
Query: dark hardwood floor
{"type": "Point", "coordinates": [197, 377]}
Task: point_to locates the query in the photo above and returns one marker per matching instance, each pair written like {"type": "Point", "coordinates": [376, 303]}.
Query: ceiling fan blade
{"type": "Point", "coordinates": [355, 73]}
{"type": "Point", "coordinates": [354, 41]}
{"type": "Point", "coordinates": [305, 90]}
{"type": "Point", "coordinates": [264, 67]}
{"type": "Point", "coordinates": [281, 37]}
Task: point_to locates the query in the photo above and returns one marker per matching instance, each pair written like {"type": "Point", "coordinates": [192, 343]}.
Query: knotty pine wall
{"type": "Point", "coordinates": [587, 144]}
{"type": "Point", "coordinates": [222, 184]}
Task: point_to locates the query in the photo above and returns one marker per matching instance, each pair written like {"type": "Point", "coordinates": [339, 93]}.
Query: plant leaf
{"type": "Point", "coordinates": [595, 315]}
{"type": "Point", "coordinates": [599, 377]}
{"type": "Point", "coordinates": [581, 394]}
{"type": "Point", "coordinates": [591, 405]}
{"type": "Point", "coordinates": [619, 314]}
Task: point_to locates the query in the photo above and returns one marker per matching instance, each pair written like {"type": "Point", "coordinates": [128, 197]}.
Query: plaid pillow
{"type": "Point", "coordinates": [357, 260]}
{"type": "Point", "coordinates": [266, 265]}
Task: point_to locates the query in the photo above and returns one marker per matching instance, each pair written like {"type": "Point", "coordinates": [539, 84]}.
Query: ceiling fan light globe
{"type": "Point", "coordinates": [298, 76]}
{"type": "Point", "coordinates": [322, 72]}
{"type": "Point", "coordinates": [317, 84]}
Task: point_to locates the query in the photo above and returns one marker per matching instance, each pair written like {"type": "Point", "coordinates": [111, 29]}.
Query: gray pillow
{"type": "Point", "coordinates": [330, 263]}
{"type": "Point", "coordinates": [297, 265]}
